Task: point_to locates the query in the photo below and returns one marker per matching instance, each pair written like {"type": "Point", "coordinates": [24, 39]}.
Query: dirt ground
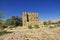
{"type": "Point", "coordinates": [33, 34]}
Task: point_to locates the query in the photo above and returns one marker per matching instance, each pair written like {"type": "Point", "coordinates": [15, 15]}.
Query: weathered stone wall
{"type": "Point", "coordinates": [31, 19]}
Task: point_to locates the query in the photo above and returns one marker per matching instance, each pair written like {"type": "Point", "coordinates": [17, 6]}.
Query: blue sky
{"type": "Point", "coordinates": [47, 9]}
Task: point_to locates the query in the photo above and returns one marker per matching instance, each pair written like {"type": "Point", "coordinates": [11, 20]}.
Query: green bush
{"type": "Point", "coordinates": [36, 26]}
{"type": "Point", "coordinates": [1, 26]}
{"type": "Point", "coordinates": [4, 26]}
{"type": "Point", "coordinates": [52, 26]}
{"type": "Point", "coordinates": [30, 27]}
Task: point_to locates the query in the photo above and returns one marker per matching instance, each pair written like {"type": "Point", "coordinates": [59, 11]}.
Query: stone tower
{"type": "Point", "coordinates": [30, 19]}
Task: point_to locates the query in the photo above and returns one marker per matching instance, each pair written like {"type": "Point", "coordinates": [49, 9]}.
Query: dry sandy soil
{"type": "Point", "coordinates": [33, 34]}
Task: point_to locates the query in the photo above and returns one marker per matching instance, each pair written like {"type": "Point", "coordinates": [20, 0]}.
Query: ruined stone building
{"type": "Point", "coordinates": [31, 19]}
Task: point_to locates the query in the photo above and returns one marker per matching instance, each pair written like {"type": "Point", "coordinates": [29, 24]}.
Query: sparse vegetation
{"type": "Point", "coordinates": [30, 27]}
{"type": "Point", "coordinates": [36, 26]}
{"type": "Point", "coordinates": [4, 32]}
{"type": "Point", "coordinates": [52, 26]}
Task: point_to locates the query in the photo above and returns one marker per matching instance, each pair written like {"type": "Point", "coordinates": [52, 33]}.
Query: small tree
{"type": "Point", "coordinates": [1, 15]}
{"type": "Point", "coordinates": [14, 21]}
{"type": "Point", "coordinates": [1, 21]}
{"type": "Point", "coordinates": [58, 22]}
{"type": "Point", "coordinates": [45, 23]}
{"type": "Point", "coordinates": [36, 26]}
